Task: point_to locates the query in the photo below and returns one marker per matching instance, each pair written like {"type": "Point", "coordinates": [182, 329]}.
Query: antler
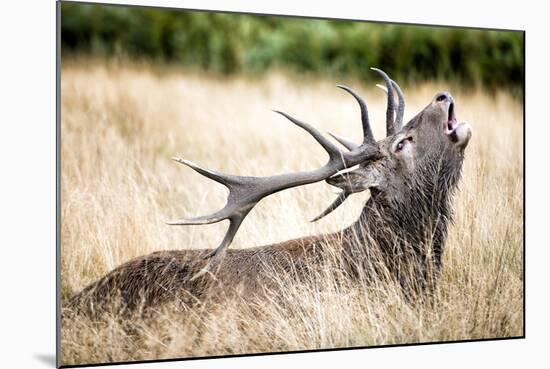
{"type": "Point", "coordinates": [245, 192]}
{"type": "Point", "coordinates": [392, 126]}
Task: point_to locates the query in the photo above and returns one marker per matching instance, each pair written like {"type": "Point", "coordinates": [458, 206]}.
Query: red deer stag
{"type": "Point", "coordinates": [411, 175]}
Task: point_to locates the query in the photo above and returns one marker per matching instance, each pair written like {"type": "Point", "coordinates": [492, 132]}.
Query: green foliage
{"type": "Point", "coordinates": [230, 43]}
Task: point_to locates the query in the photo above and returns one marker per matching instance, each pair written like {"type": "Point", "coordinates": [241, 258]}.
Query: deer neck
{"type": "Point", "coordinates": [417, 223]}
{"type": "Point", "coordinates": [418, 217]}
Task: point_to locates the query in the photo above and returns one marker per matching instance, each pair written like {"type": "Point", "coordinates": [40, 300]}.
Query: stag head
{"type": "Point", "coordinates": [428, 148]}
{"type": "Point", "coordinates": [410, 157]}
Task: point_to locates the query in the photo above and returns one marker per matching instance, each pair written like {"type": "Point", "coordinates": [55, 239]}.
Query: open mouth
{"type": "Point", "coordinates": [459, 134]}
{"type": "Point", "coordinates": [451, 120]}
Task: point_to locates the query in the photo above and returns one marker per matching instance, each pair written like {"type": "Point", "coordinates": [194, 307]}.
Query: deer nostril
{"type": "Point", "coordinates": [442, 97]}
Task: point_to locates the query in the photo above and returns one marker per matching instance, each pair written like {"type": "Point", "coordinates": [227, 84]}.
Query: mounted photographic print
{"type": "Point", "coordinates": [239, 184]}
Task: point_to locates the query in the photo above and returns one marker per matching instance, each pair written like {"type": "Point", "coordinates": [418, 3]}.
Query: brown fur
{"type": "Point", "coordinates": [164, 276]}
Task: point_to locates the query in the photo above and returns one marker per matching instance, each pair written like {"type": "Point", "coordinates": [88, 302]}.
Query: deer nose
{"type": "Point", "coordinates": [443, 96]}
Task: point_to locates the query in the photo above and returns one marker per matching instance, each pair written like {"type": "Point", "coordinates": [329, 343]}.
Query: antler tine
{"type": "Point", "coordinates": [401, 107]}
{"type": "Point", "coordinates": [234, 224]}
{"type": "Point", "coordinates": [342, 196]}
{"type": "Point", "coordinates": [383, 88]}
{"type": "Point", "coordinates": [214, 255]}
{"type": "Point", "coordinates": [329, 147]}
{"type": "Point", "coordinates": [368, 137]}
{"type": "Point", "coordinates": [207, 219]}
{"type": "Point", "coordinates": [225, 179]}
{"type": "Point", "coordinates": [390, 111]}
{"type": "Point", "coordinates": [348, 144]}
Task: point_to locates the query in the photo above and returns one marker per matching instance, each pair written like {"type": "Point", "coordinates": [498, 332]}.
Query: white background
{"type": "Point", "coordinates": [27, 185]}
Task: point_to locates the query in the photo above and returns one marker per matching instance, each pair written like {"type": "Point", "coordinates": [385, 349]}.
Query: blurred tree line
{"type": "Point", "coordinates": [231, 43]}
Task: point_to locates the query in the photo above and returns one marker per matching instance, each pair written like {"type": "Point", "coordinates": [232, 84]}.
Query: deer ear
{"type": "Point", "coordinates": [355, 181]}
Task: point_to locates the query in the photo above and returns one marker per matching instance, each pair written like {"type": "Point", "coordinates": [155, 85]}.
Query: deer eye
{"type": "Point", "coordinates": [401, 144]}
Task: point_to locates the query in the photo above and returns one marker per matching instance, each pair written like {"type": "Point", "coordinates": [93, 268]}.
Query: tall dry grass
{"type": "Point", "coordinates": [121, 124]}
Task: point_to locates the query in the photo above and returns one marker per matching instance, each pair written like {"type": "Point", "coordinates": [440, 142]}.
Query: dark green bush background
{"type": "Point", "coordinates": [230, 43]}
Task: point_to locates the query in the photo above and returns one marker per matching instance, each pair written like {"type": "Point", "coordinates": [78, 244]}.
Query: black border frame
{"type": "Point", "coordinates": [58, 189]}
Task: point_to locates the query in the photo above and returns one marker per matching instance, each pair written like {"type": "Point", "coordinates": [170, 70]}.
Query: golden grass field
{"type": "Point", "coordinates": [121, 123]}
